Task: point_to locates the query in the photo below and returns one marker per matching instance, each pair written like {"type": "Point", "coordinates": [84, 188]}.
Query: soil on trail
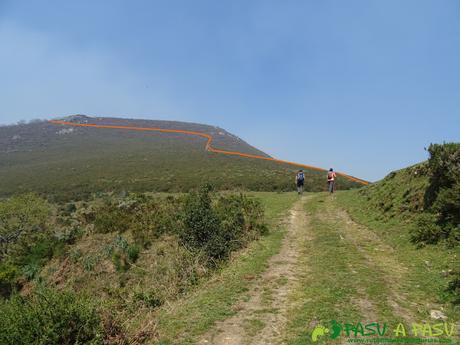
{"type": "Point", "coordinates": [261, 316]}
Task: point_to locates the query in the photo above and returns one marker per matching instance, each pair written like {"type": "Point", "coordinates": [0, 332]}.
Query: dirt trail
{"type": "Point", "coordinates": [296, 292]}
{"type": "Point", "coordinates": [261, 317]}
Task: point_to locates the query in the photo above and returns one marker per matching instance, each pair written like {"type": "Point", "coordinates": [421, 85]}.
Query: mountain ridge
{"type": "Point", "coordinates": [71, 160]}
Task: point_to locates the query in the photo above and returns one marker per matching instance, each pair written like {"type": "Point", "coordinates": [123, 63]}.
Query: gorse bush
{"type": "Point", "coordinates": [8, 278]}
{"type": "Point", "coordinates": [32, 231]}
{"type": "Point", "coordinates": [442, 197]}
{"type": "Point", "coordinates": [202, 228]}
{"type": "Point", "coordinates": [145, 216]}
{"type": "Point", "coordinates": [112, 217]}
{"type": "Point", "coordinates": [155, 218]}
{"type": "Point", "coordinates": [241, 218]}
{"type": "Point", "coordinates": [26, 239]}
{"type": "Point", "coordinates": [22, 222]}
{"type": "Point", "coordinates": [49, 317]}
{"type": "Point", "coordinates": [426, 230]}
{"type": "Point", "coordinates": [221, 227]}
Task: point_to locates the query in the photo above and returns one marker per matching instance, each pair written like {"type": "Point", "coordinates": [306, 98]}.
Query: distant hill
{"type": "Point", "coordinates": [70, 162]}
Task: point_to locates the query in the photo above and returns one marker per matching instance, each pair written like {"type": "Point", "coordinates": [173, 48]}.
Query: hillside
{"type": "Point", "coordinates": [417, 209]}
{"type": "Point", "coordinates": [216, 268]}
{"type": "Point", "coordinates": [426, 195]}
{"type": "Point", "coordinates": [70, 162]}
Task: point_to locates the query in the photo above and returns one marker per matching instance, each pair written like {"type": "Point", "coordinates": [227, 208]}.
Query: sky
{"type": "Point", "coordinates": [362, 86]}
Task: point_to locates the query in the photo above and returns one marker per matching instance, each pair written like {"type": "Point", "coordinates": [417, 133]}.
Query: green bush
{"type": "Point", "coordinates": [8, 279]}
{"type": "Point", "coordinates": [49, 317]}
{"type": "Point", "coordinates": [454, 287]}
{"type": "Point", "coordinates": [426, 231]}
{"type": "Point", "coordinates": [447, 204]}
{"type": "Point", "coordinates": [124, 254]}
{"type": "Point", "coordinates": [202, 228]}
{"type": "Point", "coordinates": [221, 227]}
{"type": "Point", "coordinates": [444, 168]}
{"type": "Point", "coordinates": [242, 219]}
{"type": "Point", "coordinates": [111, 217]}
{"type": "Point", "coordinates": [37, 256]}
{"type": "Point", "coordinates": [22, 223]}
{"type": "Point", "coordinates": [155, 217]}
{"type": "Point", "coordinates": [442, 197]}
{"type": "Point", "coordinates": [150, 299]}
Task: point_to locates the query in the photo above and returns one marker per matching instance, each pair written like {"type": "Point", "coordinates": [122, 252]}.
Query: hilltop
{"type": "Point", "coordinates": [70, 162]}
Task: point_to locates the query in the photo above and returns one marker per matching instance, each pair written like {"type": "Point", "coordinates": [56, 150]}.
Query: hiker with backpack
{"type": "Point", "coordinates": [331, 175]}
{"type": "Point", "coordinates": [299, 180]}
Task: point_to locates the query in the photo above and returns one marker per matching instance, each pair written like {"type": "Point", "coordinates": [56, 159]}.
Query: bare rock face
{"type": "Point", "coordinates": [78, 118]}
{"type": "Point", "coordinates": [437, 315]}
{"type": "Point", "coordinates": [65, 131]}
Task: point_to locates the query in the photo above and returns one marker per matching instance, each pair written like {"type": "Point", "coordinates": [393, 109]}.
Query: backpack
{"type": "Point", "coordinates": [300, 176]}
{"type": "Point", "coordinates": [330, 175]}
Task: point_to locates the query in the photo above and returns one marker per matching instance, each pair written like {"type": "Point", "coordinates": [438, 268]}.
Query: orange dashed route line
{"type": "Point", "coordinates": [208, 146]}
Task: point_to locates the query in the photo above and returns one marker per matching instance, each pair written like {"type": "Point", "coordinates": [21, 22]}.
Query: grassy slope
{"type": "Point", "coordinates": [389, 208]}
{"type": "Point", "coordinates": [87, 160]}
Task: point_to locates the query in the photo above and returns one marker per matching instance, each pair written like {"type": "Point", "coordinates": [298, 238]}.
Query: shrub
{"type": "Point", "coordinates": [150, 299]}
{"type": "Point", "coordinates": [124, 254]}
{"type": "Point", "coordinates": [426, 231]}
{"type": "Point", "coordinates": [111, 217]}
{"type": "Point", "coordinates": [444, 169]}
{"type": "Point", "coordinates": [8, 279]}
{"type": "Point", "coordinates": [448, 203]}
{"type": "Point", "coordinates": [202, 228]}
{"type": "Point", "coordinates": [454, 287]}
{"type": "Point", "coordinates": [49, 317]}
{"type": "Point", "coordinates": [241, 219]}
{"type": "Point", "coordinates": [172, 271]}
{"type": "Point", "coordinates": [22, 223]}
{"type": "Point", "coordinates": [154, 218]}
{"type": "Point", "coordinates": [132, 253]}
{"type": "Point", "coordinates": [442, 197]}
{"type": "Point", "coordinates": [221, 227]}
{"type": "Point", "coordinates": [30, 271]}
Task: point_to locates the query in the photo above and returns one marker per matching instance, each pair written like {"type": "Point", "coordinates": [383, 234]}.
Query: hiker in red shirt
{"type": "Point", "coordinates": [331, 175]}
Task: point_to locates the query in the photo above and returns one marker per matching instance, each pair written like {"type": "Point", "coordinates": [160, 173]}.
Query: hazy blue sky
{"type": "Point", "coordinates": [359, 85]}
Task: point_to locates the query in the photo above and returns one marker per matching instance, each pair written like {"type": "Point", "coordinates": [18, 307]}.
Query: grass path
{"type": "Point", "coordinates": [354, 276]}
{"type": "Point", "coordinates": [324, 266]}
{"type": "Point", "coordinates": [329, 268]}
